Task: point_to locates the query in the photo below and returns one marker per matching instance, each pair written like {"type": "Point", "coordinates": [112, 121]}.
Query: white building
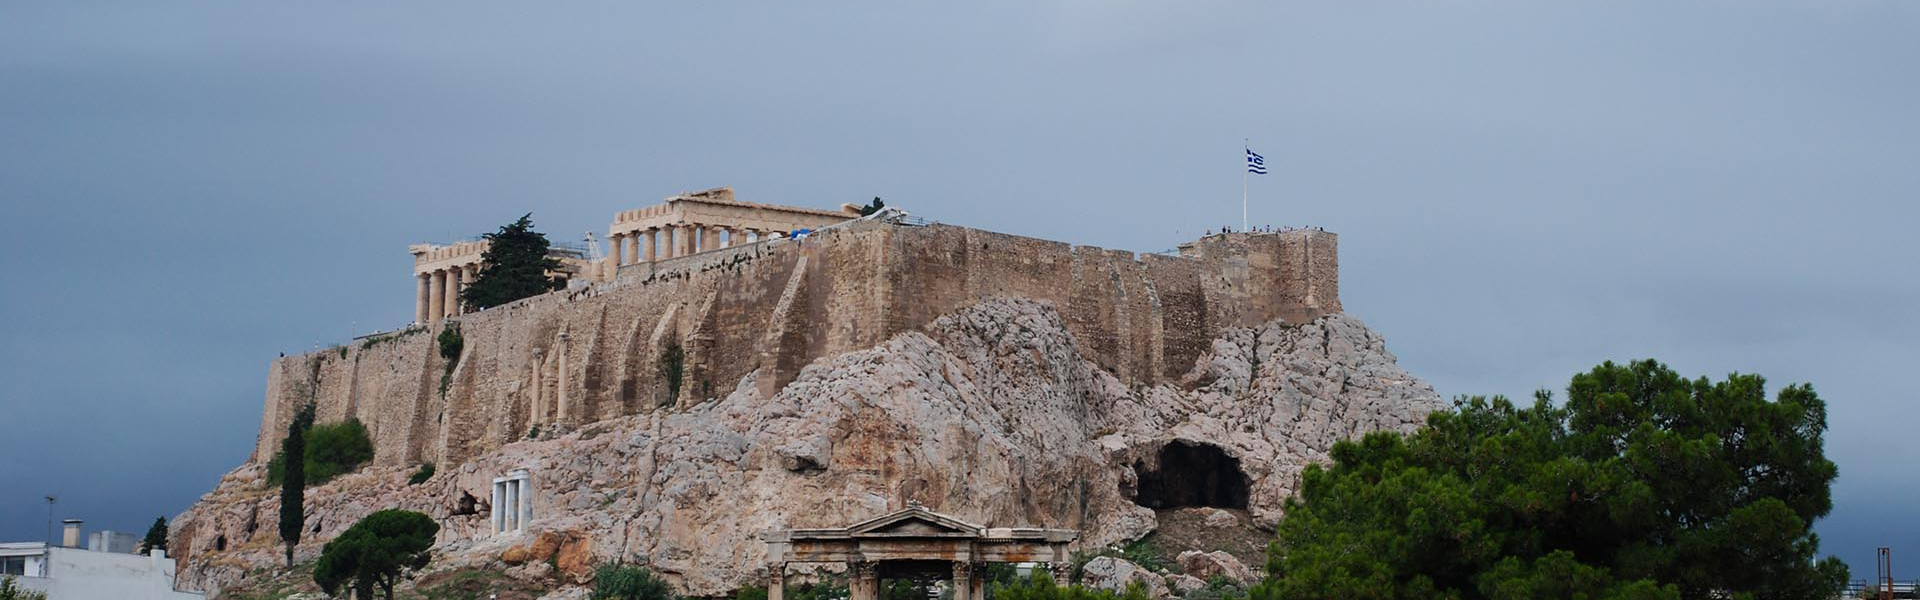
{"type": "Point", "coordinates": [77, 574]}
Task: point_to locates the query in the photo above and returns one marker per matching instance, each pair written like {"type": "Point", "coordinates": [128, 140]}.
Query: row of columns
{"type": "Point", "coordinates": [511, 509]}
{"type": "Point", "coordinates": [671, 241]}
{"type": "Point", "coordinates": [440, 290]}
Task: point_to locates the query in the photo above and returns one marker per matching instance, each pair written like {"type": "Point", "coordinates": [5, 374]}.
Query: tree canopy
{"type": "Point", "coordinates": [872, 207]}
{"type": "Point", "coordinates": [329, 450]}
{"type": "Point", "coordinates": [1644, 485]}
{"type": "Point", "coordinates": [378, 551]}
{"type": "Point", "coordinates": [517, 266]}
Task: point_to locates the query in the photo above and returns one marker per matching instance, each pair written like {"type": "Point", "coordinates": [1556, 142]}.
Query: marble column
{"type": "Point", "coordinates": [633, 247]}
{"type": "Point", "coordinates": [498, 506]}
{"type": "Point", "coordinates": [962, 580]}
{"type": "Point", "coordinates": [523, 503]}
{"type": "Point", "coordinates": [646, 244]}
{"type": "Point", "coordinates": [453, 292]}
{"type": "Point", "coordinates": [619, 248]}
{"type": "Point", "coordinates": [437, 298]}
{"type": "Point", "coordinates": [777, 582]}
{"type": "Point", "coordinates": [512, 506]}
{"type": "Point", "coordinates": [865, 581]}
{"type": "Point", "coordinates": [711, 240]}
{"type": "Point", "coordinates": [425, 295]}
{"type": "Point", "coordinates": [684, 244]}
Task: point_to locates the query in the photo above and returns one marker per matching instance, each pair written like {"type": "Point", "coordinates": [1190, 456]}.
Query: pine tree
{"type": "Point", "coordinates": [156, 537]}
{"type": "Point", "coordinates": [517, 266]}
{"type": "Point", "coordinates": [379, 551]}
{"type": "Point", "coordinates": [293, 486]}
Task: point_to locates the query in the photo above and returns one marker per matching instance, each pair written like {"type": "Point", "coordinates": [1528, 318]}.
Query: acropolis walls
{"type": "Point", "coordinates": [570, 358]}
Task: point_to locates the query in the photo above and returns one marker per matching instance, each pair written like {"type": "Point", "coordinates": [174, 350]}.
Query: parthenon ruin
{"type": "Point", "coordinates": [684, 224]}
{"type": "Point", "coordinates": [707, 220]}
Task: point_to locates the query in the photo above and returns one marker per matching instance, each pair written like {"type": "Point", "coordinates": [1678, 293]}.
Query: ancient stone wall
{"type": "Point", "coordinates": [574, 357]}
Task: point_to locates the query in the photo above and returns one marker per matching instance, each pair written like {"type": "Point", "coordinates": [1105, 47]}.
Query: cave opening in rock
{"type": "Point", "coordinates": [1190, 474]}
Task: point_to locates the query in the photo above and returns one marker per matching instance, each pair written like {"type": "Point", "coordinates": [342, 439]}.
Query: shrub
{"type": "Point", "coordinates": [629, 582]}
{"type": "Point", "coordinates": [9, 592]}
{"type": "Point", "coordinates": [422, 475]}
{"type": "Point", "coordinates": [333, 449]}
{"type": "Point", "coordinates": [1040, 586]}
{"type": "Point", "coordinates": [451, 342]}
{"type": "Point", "coordinates": [672, 366]}
{"type": "Point", "coordinates": [752, 592]}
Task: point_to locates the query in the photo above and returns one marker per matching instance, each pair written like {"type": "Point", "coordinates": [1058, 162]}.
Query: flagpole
{"type": "Point", "coordinates": [1247, 146]}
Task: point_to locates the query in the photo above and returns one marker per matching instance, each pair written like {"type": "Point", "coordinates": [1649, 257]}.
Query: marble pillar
{"type": "Point", "coordinates": [523, 501]}
{"type": "Point", "coordinates": [619, 248]}
{"type": "Point", "coordinates": [646, 244]}
{"type": "Point", "coordinates": [962, 580]}
{"type": "Point", "coordinates": [436, 301]}
{"type": "Point", "coordinates": [425, 296]}
{"type": "Point", "coordinates": [632, 241]}
{"type": "Point", "coordinates": [498, 506]}
{"type": "Point", "coordinates": [453, 292]}
{"type": "Point", "coordinates": [777, 582]}
{"type": "Point", "coordinates": [864, 581]}
{"type": "Point", "coordinates": [711, 239]}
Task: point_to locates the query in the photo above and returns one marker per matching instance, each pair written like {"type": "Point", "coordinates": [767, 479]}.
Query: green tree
{"type": "Point", "coordinates": [10, 591]}
{"type": "Point", "coordinates": [872, 207]}
{"type": "Point", "coordinates": [293, 486]}
{"type": "Point", "coordinates": [156, 537]}
{"type": "Point", "coordinates": [1645, 485]}
{"type": "Point", "coordinates": [378, 551]}
{"type": "Point", "coordinates": [330, 450]}
{"type": "Point", "coordinates": [629, 582]}
{"type": "Point", "coordinates": [517, 266]}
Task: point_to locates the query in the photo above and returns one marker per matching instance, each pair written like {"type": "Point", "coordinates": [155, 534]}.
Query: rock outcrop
{"type": "Point", "coordinates": [991, 413]}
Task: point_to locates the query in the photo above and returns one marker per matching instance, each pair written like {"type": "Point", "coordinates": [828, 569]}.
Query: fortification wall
{"type": "Point", "coordinates": [570, 358]}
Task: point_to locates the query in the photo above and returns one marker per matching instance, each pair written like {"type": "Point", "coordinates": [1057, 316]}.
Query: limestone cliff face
{"type": "Point", "coordinates": [991, 413]}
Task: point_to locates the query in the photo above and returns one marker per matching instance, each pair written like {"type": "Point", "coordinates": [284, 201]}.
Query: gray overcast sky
{"type": "Point", "coordinates": [1523, 189]}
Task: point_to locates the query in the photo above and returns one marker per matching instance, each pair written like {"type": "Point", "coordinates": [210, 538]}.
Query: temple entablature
{"type": "Point", "coordinates": [693, 222]}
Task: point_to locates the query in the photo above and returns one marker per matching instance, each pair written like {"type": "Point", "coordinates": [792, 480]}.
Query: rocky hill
{"type": "Point", "coordinates": [992, 413]}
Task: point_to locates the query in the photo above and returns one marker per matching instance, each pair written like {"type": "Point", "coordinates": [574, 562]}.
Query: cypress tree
{"type": "Point", "coordinates": [517, 266]}
{"type": "Point", "coordinates": [156, 537]}
{"type": "Point", "coordinates": [293, 486]}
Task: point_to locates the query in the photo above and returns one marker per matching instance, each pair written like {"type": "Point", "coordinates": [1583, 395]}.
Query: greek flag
{"type": "Point", "coordinates": [1255, 164]}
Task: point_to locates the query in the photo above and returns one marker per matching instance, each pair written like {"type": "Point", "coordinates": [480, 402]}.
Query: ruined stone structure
{"type": "Point", "coordinates": [682, 225]}
{"type": "Point", "coordinates": [915, 543]}
{"type": "Point", "coordinates": [444, 271]}
{"type": "Point", "coordinates": [574, 357]}
{"type": "Point", "coordinates": [704, 221]}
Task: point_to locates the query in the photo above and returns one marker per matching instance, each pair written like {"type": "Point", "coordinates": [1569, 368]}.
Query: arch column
{"type": "Point", "coordinates": [777, 582]}
{"type": "Point", "coordinates": [437, 296]}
